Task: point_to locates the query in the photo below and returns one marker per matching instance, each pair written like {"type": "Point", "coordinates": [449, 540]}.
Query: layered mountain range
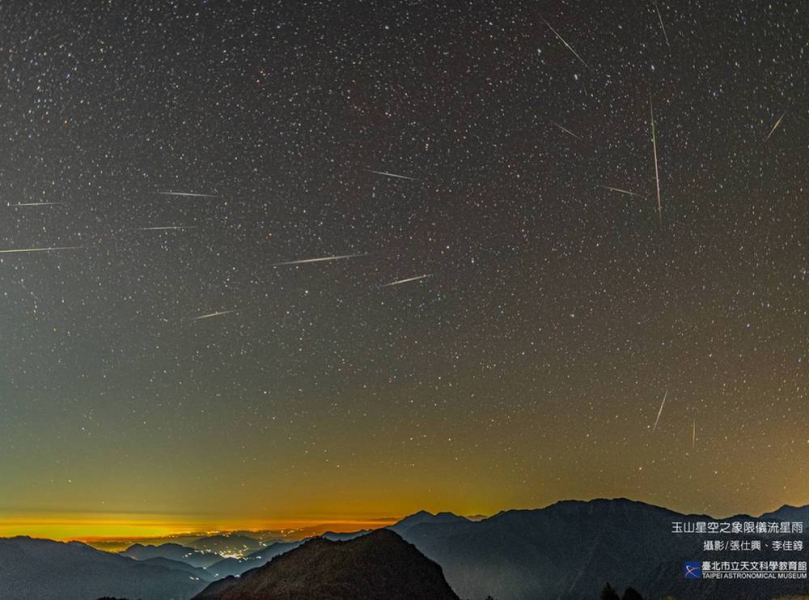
{"type": "Point", "coordinates": [566, 551]}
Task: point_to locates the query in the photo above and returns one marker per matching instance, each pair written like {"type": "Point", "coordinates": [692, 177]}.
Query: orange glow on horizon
{"type": "Point", "coordinates": [92, 529]}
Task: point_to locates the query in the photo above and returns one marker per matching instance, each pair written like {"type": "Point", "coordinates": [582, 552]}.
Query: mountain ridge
{"type": "Point", "coordinates": [39, 569]}
{"type": "Point", "coordinates": [380, 565]}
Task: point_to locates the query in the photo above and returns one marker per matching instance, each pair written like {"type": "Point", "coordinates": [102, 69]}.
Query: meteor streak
{"type": "Point", "coordinates": [620, 191]}
{"type": "Point", "coordinates": [52, 249]}
{"type": "Point", "coordinates": [306, 261]}
{"type": "Point", "coordinates": [215, 314]}
{"type": "Point", "coordinates": [401, 281]}
{"type": "Point", "coordinates": [657, 171]}
{"type": "Point", "coordinates": [660, 412]}
{"type": "Point", "coordinates": [568, 46]}
{"type": "Point", "coordinates": [566, 130]}
{"type": "Point", "coordinates": [386, 174]}
{"type": "Point", "coordinates": [188, 194]}
{"type": "Point", "coordinates": [777, 123]}
{"type": "Point", "coordinates": [663, 27]}
{"type": "Point", "coordinates": [166, 228]}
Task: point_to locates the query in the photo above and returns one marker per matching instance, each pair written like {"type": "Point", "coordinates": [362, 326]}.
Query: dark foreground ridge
{"type": "Point", "coordinates": [377, 566]}
{"type": "Point", "coordinates": [33, 569]}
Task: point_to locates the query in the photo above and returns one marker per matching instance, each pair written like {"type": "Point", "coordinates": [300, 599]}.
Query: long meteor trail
{"type": "Point", "coordinates": [215, 314]}
{"type": "Point", "coordinates": [386, 174]}
{"type": "Point", "coordinates": [408, 280]}
{"type": "Point", "coordinates": [657, 171]}
{"type": "Point", "coordinates": [37, 204]}
{"type": "Point", "coordinates": [566, 130]}
{"type": "Point", "coordinates": [568, 46]}
{"type": "Point", "coordinates": [188, 194]}
{"type": "Point", "coordinates": [620, 191]}
{"type": "Point", "coordinates": [51, 249]}
{"type": "Point", "coordinates": [165, 228]}
{"type": "Point", "coordinates": [307, 261]}
{"type": "Point", "coordinates": [660, 412]}
{"type": "Point", "coordinates": [777, 123]}
{"type": "Point", "coordinates": [663, 27]}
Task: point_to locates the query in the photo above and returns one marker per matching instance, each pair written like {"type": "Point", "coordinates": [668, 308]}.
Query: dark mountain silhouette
{"type": "Point", "coordinates": [376, 566]}
{"type": "Point", "coordinates": [343, 537]}
{"type": "Point", "coordinates": [568, 551]}
{"type": "Point", "coordinates": [190, 556]}
{"type": "Point", "coordinates": [177, 565]}
{"type": "Point", "coordinates": [788, 513]}
{"type": "Point", "coordinates": [424, 517]}
{"type": "Point", "coordinates": [34, 569]}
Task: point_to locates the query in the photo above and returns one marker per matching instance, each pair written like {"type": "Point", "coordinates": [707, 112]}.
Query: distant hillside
{"type": "Point", "coordinates": [343, 537]}
{"type": "Point", "coordinates": [376, 566]}
{"type": "Point", "coordinates": [190, 556]}
{"type": "Point", "coordinates": [33, 569]}
{"type": "Point", "coordinates": [178, 565]}
{"type": "Point", "coordinates": [424, 517]}
{"type": "Point", "coordinates": [789, 513]}
{"type": "Point", "coordinates": [568, 551]}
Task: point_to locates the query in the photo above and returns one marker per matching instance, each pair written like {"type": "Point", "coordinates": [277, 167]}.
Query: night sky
{"type": "Point", "coordinates": [473, 143]}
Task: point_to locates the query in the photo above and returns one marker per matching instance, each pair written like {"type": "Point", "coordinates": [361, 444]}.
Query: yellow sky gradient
{"type": "Point", "coordinates": [94, 527]}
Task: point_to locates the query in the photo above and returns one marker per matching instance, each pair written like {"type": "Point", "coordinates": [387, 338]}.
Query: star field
{"type": "Point", "coordinates": [179, 358]}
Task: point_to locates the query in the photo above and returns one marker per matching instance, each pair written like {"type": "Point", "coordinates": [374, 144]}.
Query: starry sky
{"type": "Point", "coordinates": [169, 160]}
